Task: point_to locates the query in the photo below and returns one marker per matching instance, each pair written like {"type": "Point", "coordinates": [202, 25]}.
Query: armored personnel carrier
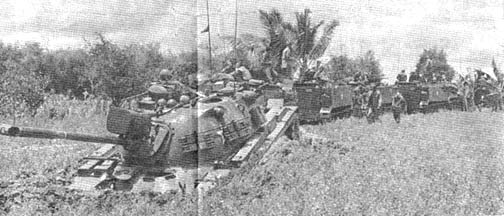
{"type": "Point", "coordinates": [161, 145]}
{"type": "Point", "coordinates": [323, 101]}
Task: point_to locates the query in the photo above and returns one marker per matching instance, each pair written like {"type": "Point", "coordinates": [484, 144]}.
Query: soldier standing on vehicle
{"type": "Point", "coordinates": [269, 72]}
{"type": "Point", "coordinates": [228, 67]}
{"type": "Point", "coordinates": [414, 76]}
{"type": "Point", "coordinates": [402, 77]}
{"type": "Point", "coordinates": [241, 73]}
{"type": "Point", "coordinates": [398, 104]}
{"type": "Point", "coordinates": [319, 69]}
{"type": "Point", "coordinates": [287, 61]}
{"type": "Point", "coordinates": [165, 75]}
{"type": "Point", "coordinates": [374, 104]}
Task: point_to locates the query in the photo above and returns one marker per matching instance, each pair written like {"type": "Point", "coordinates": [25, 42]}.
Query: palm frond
{"type": "Point", "coordinates": [311, 37]}
{"type": "Point", "coordinates": [324, 41]}
{"type": "Point", "coordinates": [274, 25]}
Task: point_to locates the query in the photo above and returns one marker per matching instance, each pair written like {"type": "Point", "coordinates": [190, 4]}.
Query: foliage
{"type": "Point", "coordinates": [103, 68]}
{"type": "Point", "coordinates": [184, 67]}
{"type": "Point", "coordinates": [67, 71]}
{"type": "Point", "coordinates": [370, 66]}
{"type": "Point", "coordinates": [307, 48]}
{"type": "Point", "coordinates": [433, 65]}
{"type": "Point", "coordinates": [117, 70]}
{"type": "Point", "coordinates": [23, 78]}
{"type": "Point", "coordinates": [343, 67]}
{"type": "Point", "coordinates": [276, 33]}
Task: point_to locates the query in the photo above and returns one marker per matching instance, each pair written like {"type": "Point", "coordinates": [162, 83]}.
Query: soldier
{"type": "Point", "coordinates": [398, 104]}
{"type": "Point", "coordinates": [165, 75]}
{"type": "Point", "coordinates": [422, 78]}
{"type": "Point", "coordinates": [402, 77]}
{"type": "Point", "coordinates": [465, 96]}
{"type": "Point", "coordinates": [241, 73]}
{"type": "Point", "coordinates": [160, 105]}
{"type": "Point", "coordinates": [318, 70]}
{"type": "Point", "coordinates": [357, 102]}
{"type": "Point", "coordinates": [287, 61]}
{"type": "Point", "coordinates": [360, 77]}
{"type": "Point", "coordinates": [414, 77]}
{"type": "Point", "coordinates": [374, 104]}
{"type": "Point", "coordinates": [270, 72]}
{"type": "Point", "coordinates": [85, 93]}
{"type": "Point", "coordinates": [228, 67]}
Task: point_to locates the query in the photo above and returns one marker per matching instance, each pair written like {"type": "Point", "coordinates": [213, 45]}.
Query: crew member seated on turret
{"type": "Point", "coordinates": [422, 78]}
{"type": "Point", "coordinates": [402, 77]}
{"type": "Point", "coordinates": [361, 78]}
{"type": "Point", "coordinates": [414, 76]}
{"type": "Point", "coordinates": [228, 68]}
{"type": "Point", "coordinates": [165, 75]}
{"type": "Point", "coordinates": [241, 74]}
{"type": "Point", "coordinates": [269, 72]}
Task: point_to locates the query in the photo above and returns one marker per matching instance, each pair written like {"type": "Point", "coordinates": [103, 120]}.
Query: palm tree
{"type": "Point", "coordinates": [302, 37]}
{"type": "Point", "coordinates": [307, 48]}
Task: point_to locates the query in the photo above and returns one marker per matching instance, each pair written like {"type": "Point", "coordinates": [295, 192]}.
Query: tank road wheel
{"type": "Point", "coordinates": [423, 110]}
{"type": "Point", "coordinates": [293, 132]}
{"type": "Point", "coordinates": [348, 113]}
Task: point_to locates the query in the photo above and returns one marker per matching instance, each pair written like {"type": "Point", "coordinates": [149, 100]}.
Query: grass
{"type": "Point", "coordinates": [447, 163]}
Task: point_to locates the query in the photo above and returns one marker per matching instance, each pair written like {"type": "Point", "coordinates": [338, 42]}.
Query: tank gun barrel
{"type": "Point", "coordinates": [14, 131]}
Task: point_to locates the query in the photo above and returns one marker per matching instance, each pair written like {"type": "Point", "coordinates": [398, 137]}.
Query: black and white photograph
{"type": "Point", "coordinates": [243, 107]}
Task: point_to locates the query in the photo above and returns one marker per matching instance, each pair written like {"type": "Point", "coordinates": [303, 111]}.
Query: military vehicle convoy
{"type": "Point", "coordinates": [323, 101]}
{"type": "Point", "coordinates": [163, 143]}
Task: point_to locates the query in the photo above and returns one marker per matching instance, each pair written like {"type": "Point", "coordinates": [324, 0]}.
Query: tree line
{"type": "Point", "coordinates": [102, 68]}
{"type": "Point", "coordinates": [105, 69]}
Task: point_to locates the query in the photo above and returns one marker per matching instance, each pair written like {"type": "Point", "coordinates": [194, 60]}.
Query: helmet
{"type": "Point", "coordinates": [158, 91]}
{"type": "Point", "coordinates": [171, 103]}
{"type": "Point", "coordinates": [165, 74]}
{"type": "Point", "coordinates": [161, 102]}
{"type": "Point", "coordinates": [184, 99]}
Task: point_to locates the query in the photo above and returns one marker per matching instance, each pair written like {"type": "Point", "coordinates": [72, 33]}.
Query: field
{"type": "Point", "coordinates": [446, 163]}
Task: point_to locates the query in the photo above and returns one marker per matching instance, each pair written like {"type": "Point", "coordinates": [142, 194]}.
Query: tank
{"type": "Point", "coordinates": [181, 148]}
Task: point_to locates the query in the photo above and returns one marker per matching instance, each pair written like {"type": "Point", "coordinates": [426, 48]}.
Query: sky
{"type": "Point", "coordinates": [470, 31]}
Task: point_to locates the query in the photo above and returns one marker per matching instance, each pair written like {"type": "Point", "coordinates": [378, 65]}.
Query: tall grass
{"type": "Point", "coordinates": [58, 106]}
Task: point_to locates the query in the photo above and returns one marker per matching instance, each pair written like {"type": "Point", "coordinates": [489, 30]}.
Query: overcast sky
{"type": "Point", "coordinates": [470, 31]}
